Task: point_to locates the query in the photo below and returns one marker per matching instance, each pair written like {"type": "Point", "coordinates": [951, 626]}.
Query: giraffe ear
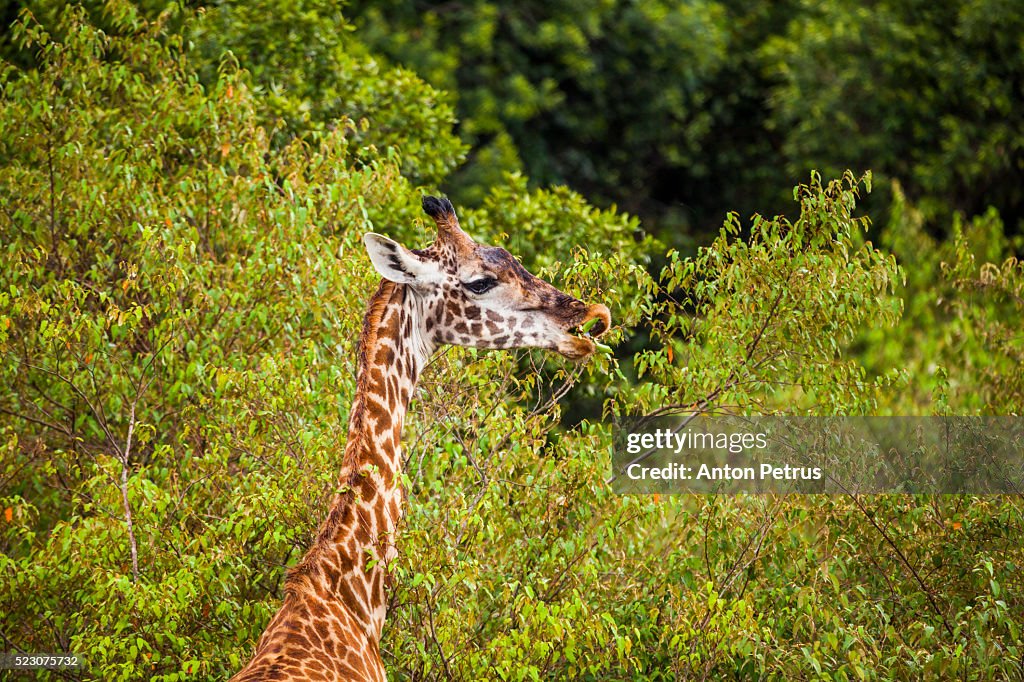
{"type": "Point", "coordinates": [397, 263]}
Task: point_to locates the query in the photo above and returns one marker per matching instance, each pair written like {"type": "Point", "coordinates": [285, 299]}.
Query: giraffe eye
{"type": "Point", "coordinates": [481, 286]}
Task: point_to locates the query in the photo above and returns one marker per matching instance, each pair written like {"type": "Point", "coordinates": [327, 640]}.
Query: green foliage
{"type": "Point", "coordinates": [919, 91]}
{"type": "Point", "coordinates": [682, 112]}
{"type": "Point", "coordinates": [551, 87]}
{"type": "Point", "coordinates": [316, 74]}
{"type": "Point", "coordinates": [543, 225]}
{"type": "Point", "coordinates": [990, 303]}
{"type": "Point", "coordinates": [772, 312]}
{"type": "Point", "coordinates": [313, 77]}
{"type": "Point", "coordinates": [957, 339]}
{"type": "Point", "coordinates": [182, 282]}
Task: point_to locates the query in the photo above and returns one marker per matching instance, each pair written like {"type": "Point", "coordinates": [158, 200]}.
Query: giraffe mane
{"type": "Point", "coordinates": [367, 339]}
{"type": "Point", "coordinates": [295, 579]}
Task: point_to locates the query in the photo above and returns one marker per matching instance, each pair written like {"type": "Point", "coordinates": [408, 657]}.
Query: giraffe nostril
{"type": "Point", "coordinates": [561, 300]}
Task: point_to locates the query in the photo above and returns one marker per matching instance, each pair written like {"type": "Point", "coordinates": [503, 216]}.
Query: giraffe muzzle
{"type": "Point", "coordinates": [578, 344]}
{"type": "Point", "coordinates": [596, 321]}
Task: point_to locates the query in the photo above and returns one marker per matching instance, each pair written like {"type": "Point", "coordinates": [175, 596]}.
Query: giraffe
{"type": "Point", "coordinates": [454, 292]}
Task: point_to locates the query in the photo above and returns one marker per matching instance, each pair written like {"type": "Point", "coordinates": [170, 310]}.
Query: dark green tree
{"type": "Point", "coordinates": [610, 98]}
{"type": "Point", "coordinates": [926, 93]}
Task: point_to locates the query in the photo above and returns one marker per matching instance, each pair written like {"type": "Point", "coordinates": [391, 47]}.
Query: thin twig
{"type": "Point", "coordinates": [125, 461]}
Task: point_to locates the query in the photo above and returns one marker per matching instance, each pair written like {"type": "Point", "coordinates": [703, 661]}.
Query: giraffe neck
{"type": "Point", "coordinates": [393, 349]}
{"type": "Point", "coordinates": [347, 563]}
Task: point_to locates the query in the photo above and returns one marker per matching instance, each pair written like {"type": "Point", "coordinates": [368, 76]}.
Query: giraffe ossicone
{"type": "Point", "coordinates": [453, 292]}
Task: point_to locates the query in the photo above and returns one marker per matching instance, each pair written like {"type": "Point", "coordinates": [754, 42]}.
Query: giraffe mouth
{"type": "Point", "coordinates": [595, 322]}
{"type": "Point", "coordinates": [579, 342]}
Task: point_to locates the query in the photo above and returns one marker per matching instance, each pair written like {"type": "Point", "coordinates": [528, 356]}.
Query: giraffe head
{"type": "Point", "coordinates": [481, 296]}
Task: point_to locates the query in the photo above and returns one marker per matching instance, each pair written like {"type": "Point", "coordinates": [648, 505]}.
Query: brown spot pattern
{"type": "Point", "coordinates": [329, 624]}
